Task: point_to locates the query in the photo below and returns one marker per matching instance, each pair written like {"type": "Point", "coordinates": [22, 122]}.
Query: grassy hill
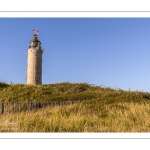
{"type": "Point", "coordinates": [103, 109]}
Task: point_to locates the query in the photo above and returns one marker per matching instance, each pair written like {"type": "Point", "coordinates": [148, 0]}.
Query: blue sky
{"type": "Point", "coordinates": [114, 52]}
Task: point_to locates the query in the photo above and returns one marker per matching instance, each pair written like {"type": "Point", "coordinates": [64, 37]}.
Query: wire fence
{"type": "Point", "coordinates": [18, 107]}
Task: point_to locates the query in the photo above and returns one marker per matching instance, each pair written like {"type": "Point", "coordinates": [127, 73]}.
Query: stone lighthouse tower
{"type": "Point", "coordinates": [34, 65]}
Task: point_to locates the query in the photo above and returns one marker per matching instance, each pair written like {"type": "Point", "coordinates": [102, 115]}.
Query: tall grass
{"type": "Point", "coordinates": [62, 91]}
{"type": "Point", "coordinates": [121, 117]}
{"type": "Point", "coordinates": [104, 109]}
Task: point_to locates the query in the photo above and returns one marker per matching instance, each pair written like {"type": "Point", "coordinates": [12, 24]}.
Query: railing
{"type": "Point", "coordinates": [16, 107]}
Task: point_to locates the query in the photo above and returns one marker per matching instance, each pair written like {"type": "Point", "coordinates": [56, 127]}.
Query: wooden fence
{"type": "Point", "coordinates": [16, 107]}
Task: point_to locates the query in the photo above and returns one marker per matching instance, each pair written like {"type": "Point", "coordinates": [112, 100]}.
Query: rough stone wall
{"type": "Point", "coordinates": [34, 66]}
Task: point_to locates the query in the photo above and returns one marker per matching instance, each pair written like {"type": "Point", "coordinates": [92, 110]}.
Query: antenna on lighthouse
{"type": "Point", "coordinates": [35, 32]}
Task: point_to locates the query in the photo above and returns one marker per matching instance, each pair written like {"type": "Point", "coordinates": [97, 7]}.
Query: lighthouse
{"type": "Point", "coordinates": [34, 63]}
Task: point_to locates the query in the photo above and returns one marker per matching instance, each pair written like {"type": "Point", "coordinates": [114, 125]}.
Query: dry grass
{"type": "Point", "coordinates": [121, 117]}
{"type": "Point", "coordinates": [104, 110]}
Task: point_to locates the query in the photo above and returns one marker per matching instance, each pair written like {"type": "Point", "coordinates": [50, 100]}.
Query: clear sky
{"type": "Point", "coordinates": [113, 52]}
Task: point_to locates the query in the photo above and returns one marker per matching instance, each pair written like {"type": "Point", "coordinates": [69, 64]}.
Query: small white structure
{"type": "Point", "coordinates": [34, 65]}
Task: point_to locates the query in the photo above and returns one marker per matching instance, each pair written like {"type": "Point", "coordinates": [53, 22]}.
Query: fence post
{"type": "Point", "coordinates": [2, 108]}
{"type": "Point", "coordinates": [30, 105]}
{"type": "Point", "coordinates": [39, 105]}
{"type": "Point", "coordinates": [36, 105]}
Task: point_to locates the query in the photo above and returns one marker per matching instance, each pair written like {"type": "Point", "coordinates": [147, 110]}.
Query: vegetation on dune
{"type": "Point", "coordinates": [65, 91]}
{"type": "Point", "coordinates": [103, 109]}
{"type": "Point", "coordinates": [58, 91]}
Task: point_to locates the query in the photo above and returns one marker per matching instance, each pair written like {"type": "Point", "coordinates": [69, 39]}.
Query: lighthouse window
{"type": "Point", "coordinates": [35, 44]}
{"type": "Point", "coordinates": [31, 44]}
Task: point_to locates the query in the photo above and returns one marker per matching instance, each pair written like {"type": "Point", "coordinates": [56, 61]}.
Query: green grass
{"type": "Point", "coordinates": [103, 109]}
{"type": "Point", "coordinates": [58, 91]}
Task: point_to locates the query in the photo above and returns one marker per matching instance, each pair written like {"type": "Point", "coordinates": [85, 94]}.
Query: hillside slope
{"type": "Point", "coordinates": [66, 91]}
{"type": "Point", "coordinates": [103, 109]}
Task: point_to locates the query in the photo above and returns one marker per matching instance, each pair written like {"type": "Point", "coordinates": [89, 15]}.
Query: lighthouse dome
{"type": "Point", "coordinates": [35, 39]}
